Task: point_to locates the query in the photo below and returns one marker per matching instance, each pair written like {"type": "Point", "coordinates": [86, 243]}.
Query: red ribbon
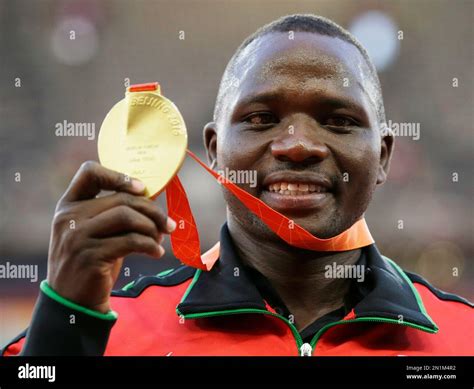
{"type": "Point", "coordinates": [185, 239]}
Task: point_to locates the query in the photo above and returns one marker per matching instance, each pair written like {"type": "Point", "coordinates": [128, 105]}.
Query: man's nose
{"type": "Point", "coordinates": [299, 145]}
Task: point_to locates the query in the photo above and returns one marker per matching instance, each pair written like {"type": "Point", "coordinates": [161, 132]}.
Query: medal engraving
{"type": "Point", "coordinates": [144, 136]}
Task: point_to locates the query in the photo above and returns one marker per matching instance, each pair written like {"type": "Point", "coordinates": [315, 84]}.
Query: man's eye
{"type": "Point", "coordinates": [340, 121]}
{"type": "Point", "coordinates": [261, 118]}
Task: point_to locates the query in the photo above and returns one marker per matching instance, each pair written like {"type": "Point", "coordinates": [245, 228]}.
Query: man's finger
{"type": "Point", "coordinates": [92, 208]}
{"type": "Point", "coordinates": [120, 220]}
{"type": "Point", "coordinates": [120, 246]}
{"type": "Point", "coordinates": [92, 177]}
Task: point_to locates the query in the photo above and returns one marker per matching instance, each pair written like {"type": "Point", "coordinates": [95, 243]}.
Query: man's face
{"type": "Point", "coordinates": [301, 113]}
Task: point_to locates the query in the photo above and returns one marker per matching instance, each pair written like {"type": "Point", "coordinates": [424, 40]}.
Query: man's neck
{"type": "Point", "coordinates": [297, 275]}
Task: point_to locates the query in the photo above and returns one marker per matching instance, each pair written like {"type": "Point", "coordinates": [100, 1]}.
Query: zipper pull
{"type": "Point", "coordinates": [306, 350]}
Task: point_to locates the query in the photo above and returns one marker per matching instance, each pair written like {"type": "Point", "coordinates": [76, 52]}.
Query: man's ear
{"type": "Point", "coordinates": [386, 151]}
{"type": "Point", "coordinates": [210, 143]}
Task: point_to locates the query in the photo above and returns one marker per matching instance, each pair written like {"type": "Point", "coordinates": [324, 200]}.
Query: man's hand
{"type": "Point", "coordinates": [90, 236]}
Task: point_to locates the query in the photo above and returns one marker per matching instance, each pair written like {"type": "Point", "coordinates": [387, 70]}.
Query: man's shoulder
{"type": "Point", "coordinates": [437, 294]}
{"type": "Point", "coordinates": [146, 304]}
{"type": "Point", "coordinates": [169, 280]}
{"type": "Point", "coordinates": [453, 314]}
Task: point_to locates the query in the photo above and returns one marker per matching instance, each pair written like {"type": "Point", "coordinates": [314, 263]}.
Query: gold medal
{"type": "Point", "coordinates": [144, 136]}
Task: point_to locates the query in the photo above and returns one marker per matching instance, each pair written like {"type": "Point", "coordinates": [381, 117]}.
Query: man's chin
{"type": "Point", "coordinates": [318, 226]}
{"type": "Point", "coordinates": [316, 214]}
{"type": "Point", "coordinates": [322, 222]}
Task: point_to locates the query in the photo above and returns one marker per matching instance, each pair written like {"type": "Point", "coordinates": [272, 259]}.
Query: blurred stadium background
{"type": "Point", "coordinates": [79, 80]}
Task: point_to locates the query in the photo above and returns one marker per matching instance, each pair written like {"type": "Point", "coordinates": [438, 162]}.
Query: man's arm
{"type": "Point", "coordinates": [89, 238]}
{"type": "Point", "coordinates": [59, 327]}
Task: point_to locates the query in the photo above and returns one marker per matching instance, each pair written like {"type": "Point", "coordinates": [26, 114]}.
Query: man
{"type": "Point", "coordinates": [300, 103]}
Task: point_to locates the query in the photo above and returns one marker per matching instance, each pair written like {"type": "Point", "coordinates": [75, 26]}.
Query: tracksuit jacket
{"type": "Point", "coordinates": [233, 310]}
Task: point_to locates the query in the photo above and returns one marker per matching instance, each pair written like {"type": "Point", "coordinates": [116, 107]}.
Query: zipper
{"type": "Point", "coordinates": [296, 334]}
{"type": "Point", "coordinates": [304, 349]}
{"type": "Point", "coordinates": [307, 349]}
{"type": "Point", "coordinates": [381, 319]}
{"type": "Point", "coordinates": [367, 319]}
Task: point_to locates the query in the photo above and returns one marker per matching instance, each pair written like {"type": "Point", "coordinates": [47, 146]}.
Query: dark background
{"type": "Point", "coordinates": [79, 80]}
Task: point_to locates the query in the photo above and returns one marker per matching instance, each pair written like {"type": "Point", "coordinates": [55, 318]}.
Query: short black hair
{"type": "Point", "coordinates": [302, 23]}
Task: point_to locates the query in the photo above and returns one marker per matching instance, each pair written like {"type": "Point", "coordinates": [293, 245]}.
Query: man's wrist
{"type": "Point", "coordinates": [51, 293]}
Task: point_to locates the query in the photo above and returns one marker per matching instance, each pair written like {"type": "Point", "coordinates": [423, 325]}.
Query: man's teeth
{"type": "Point", "coordinates": [290, 188]}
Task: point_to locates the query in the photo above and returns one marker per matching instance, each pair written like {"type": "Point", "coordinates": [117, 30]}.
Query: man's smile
{"type": "Point", "coordinates": [291, 190]}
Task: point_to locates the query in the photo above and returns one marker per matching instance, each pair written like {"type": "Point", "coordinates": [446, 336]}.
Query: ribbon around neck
{"type": "Point", "coordinates": [185, 238]}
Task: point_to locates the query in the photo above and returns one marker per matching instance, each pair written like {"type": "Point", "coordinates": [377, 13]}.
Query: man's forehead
{"type": "Point", "coordinates": [308, 55]}
{"type": "Point", "coordinates": [310, 62]}
{"type": "Point", "coordinates": [300, 63]}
